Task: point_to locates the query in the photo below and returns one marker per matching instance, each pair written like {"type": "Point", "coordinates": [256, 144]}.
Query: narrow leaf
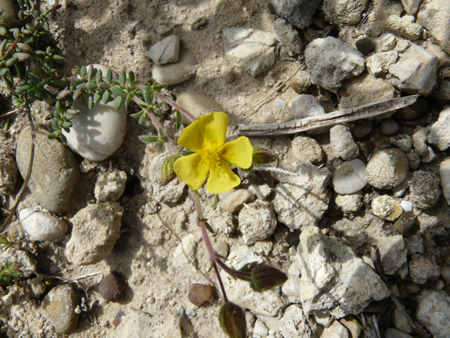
{"type": "Point", "coordinates": [148, 97]}
{"type": "Point", "coordinates": [148, 138]}
{"type": "Point", "coordinates": [106, 97]}
{"type": "Point", "coordinates": [118, 92]}
{"type": "Point", "coordinates": [109, 75]}
{"type": "Point", "coordinates": [178, 119]}
{"type": "Point", "coordinates": [122, 78]}
{"type": "Point", "coordinates": [118, 102]}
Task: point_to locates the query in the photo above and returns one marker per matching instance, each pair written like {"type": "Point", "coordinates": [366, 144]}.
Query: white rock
{"type": "Point", "coordinates": [352, 327]}
{"type": "Point", "coordinates": [197, 104]}
{"type": "Point", "coordinates": [165, 51]}
{"type": "Point", "coordinates": [349, 203]}
{"type": "Point", "coordinates": [335, 330]}
{"type": "Point", "coordinates": [349, 177]}
{"type": "Point", "coordinates": [389, 127]}
{"type": "Point", "coordinates": [330, 61]}
{"type": "Point", "coordinates": [287, 36]}
{"type": "Point", "coordinates": [378, 64]}
{"type": "Point", "coordinates": [304, 106]}
{"type": "Point", "coordinates": [301, 200]}
{"type": "Point", "coordinates": [433, 16]}
{"type": "Point", "coordinates": [292, 324]}
{"type": "Point", "coordinates": [385, 42]}
{"type": "Point", "coordinates": [432, 311]}
{"type": "Point", "coordinates": [248, 49]}
{"type": "Point", "coordinates": [387, 168]}
{"type": "Point", "coordinates": [439, 132]}
{"type": "Point", "coordinates": [184, 254]}
{"type": "Point", "coordinates": [411, 6]}
{"type": "Point", "coordinates": [410, 29]}
{"type": "Point", "coordinates": [257, 222]}
{"type": "Point", "coordinates": [280, 103]}
{"type": "Point", "coordinates": [306, 149]}
{"type": "Point", "coordinates": [300, 82]}
{"type": "Point", "coordinates": [175, 73]}
{"type": "Point", "coordinates": [392, 253]}
{"type": "Point", "coordinates": [341, 140]}
{"type": "Point", "coordinates": [110, 185]}
{"type": "Point", "coordinates": [415, 72]}
{"type": "Point", "coordinates": [386, 207]}
{"type": "Point", "coordinates": [406, 205]}
{"type": "Point", "coordinates": [40, 226]}
{"type": "Point", "coordinates": [260, 329]}
{"type": "Point", "coordinates": [444, 171]}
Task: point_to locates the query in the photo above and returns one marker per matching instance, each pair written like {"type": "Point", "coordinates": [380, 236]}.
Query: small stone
{"type": "Point", "coordinates": [349, 177]}
{"type": "Point", "coordinates": [361, 128]}
{"type": "Point", "coordinates": [112, 286]}
{"type": "Point", "coordinates": [393, 333]}
{"type": "Point", "coordinates": [8, 172]}
{"type": "Point", "coordinates": [305, 106]}
{"type": "Point", "coordinates": [414, 244]}
{"type": "Point", "coordinates": [446, 274]}
{"type": "Point", "coordinates": [330, 61]}
{"type": "Point", "coordinates": [439, 134]}
{"type": "Point", "coordinates": [444, 170]}
{"type": "Point", "coordinates": [402, 322]}
{"type": "Point", "coordinates": [201, 293]}
{"type": "Point", "coordinates": [164, 29]}
{"type": "Point", "coordinates": [433, 17]}
{"type": "Point", "coordinates": [96, 229]}
{"type": "Point", "coordinates": [406, 205]}
{"type": "Point", "coordinates": [58, 307]}
{"type": "Point", "coordinates": [432, 311]}
{"type": "Point", "coordinates": [403, 142]}
{"type": "Point", "coordinates": [335, 330]}
{"type": "Point", "coordinates": [175, 73]}
{"type": "Point", "coordinates": [40, 226]}
{"type": "Point", "coordinates": [349, 203]}
{"type": "Point", "coordinates": [342, 142]}
{"type": "Point", "coordinates": [300, 82]}
{"type": "Point", "coordinates": [280, 103]}
{"type": "Point", "coordinates": [389, 127]}
{"type": "Point", "coordinates": [405, 223]}
{"type": "Point", "coordinates": [248, 49]}
{"type": "Point", "coordinates": [199, 24]}
{"type": "Point", "coordinates": [386, 208]}
{"type": "Point", "coordinates": [414, 160]}
{"type": "Point", "coordinates": [344, 12]}
{"type": "Point", "coordinates": [297, 12]}
{"type": "Point", "coordinates": [260, 329]}
{"type": "Point", "coordinates": [257, 222]}
{"type": "Point", "coordinates": [287, 36]}
{"type": "Point", "coordinates": [110, 185]}
{"type": "Point", "coordinates": [387, 168]}
{"type": "Point", "coordinates": [306, 149]}
{"type": "Point", "coordinates": [184, 253]}
{"type": "Point", "coordinates": [165, 51]}
{"type": "Point", "coordinates": [422, 268]}
{"type": "Point", "coordinates": [364, 45]}
{"type": "Point", "coordinates": [413, 112]}
{"type": "Point", "coordinates": [410, 29]}
{"type": "Point", "coordinates": [197, 105]}
{"type": "Point", "coordinates": [352, 327]}
{"type": "Point", "coordinates": [425, 189]}
{"type": "Point", "coordinates": [234, 200]}
{"type": "Point", "coordinates": [393, 254]}
{"type": "Point", "coordinates": [262, 191]}
{"type": "Point", "coordinates": [385, 42]}
{"type": "Point", "coordinates": [378, 64]}
{"type": "Point", "coordinates": [37, 286]}
{"type": "Point", "coordinates": [55, 172]}
{"type": "Point", "coordinates": [411, 6]}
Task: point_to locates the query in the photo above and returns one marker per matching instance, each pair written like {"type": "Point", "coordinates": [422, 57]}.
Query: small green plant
{"type": "Point", "coordinates": [27, 68]}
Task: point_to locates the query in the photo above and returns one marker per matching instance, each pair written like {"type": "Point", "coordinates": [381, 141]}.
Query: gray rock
{"type": "Point", "coordinates": [387, 168]}
{"type": "Point", "coordinates": [197, 104]}
{"type": "Point", "coordinates": [287, 36]}
{"type": "Point", "coordinates": [433, 17]}
{"type": "Point", "coordinates": [335, 330]}
{"type": "Point", "coordinates": [58, 307]}
{"type": "Point", "coordinates": [301, 200]}
{"type": "Point", "coordinates": [178, 72]}
{"type": "Point", "coordinates": [349, 177]}
{"type": "Point", "coordinates": [341, 140]}
{"type": "Point", "coordinates": [432, 311]}
{"type": "Point", "coordinates": [306, 149]}
{"type": "Point", "coordinates": [165, 51]}
{"type": "Point", "coordinates": [425, 189]}
{"type": "Point", "coordinates": [415, 72]}
{"type": "Point", "coordinates": [403, 142]}
{"type": "Point", "coordinates": [349, 203]}
{"type": "Point", "coordinates": [393, 333]}
{"type": "Point", "coordinates": [297, 12]}
{"type": "Point", "coordinates": [41, 226]}
{"type": "Point", "coordinates": [422, 268]}
{"type": "Point", "coordinates": [257, 222]}
{"type": "Point", "coordinates": [360, 128]}
{"type": "Point", "coordinates": [304, 106]}
{"type": "Point", "coordinates": [378, 63]}
{"type": "Point", "coordinates": [344, 12]}
{"type": "Point", "coordinates": [8, 173]}
{"type": "Point", "coordinates": [341, 285]}
{"type": "Point", "coordinates": [55, 171]}
{"type": "Point", "coordinates": [392, 253]}
{"type": "Point", "coordinates": [389, 127]}
{"type": "Point", "coordinates": [234, 200]}
{"type": "Point", "coordinates": [411, 6]}
{"type": "Point", "coordinates": [96, 229]}
{"type": "Point", "coordinates": [330, 61]}
{"type": "Point", "coordinates": [386, 207]}
{"type": "Point", "coordinates": [444, 171]}
{"type": "Point", "coordinates": [249, 50]}
{"type": "Point", "coordinates": [439, 134]}
{"type": "Point", "coordinates": [110, 185]}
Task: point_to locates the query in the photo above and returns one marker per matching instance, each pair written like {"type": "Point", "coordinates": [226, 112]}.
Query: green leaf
{"type": "Point", "coordinates": [91, 86]}
{"type": "Point", "coordinates": [208, 227]}
{"type": "Point", "coordinates": [148, 138]}
{"type": "Point", "coordinates": [99, 76]}
{"type": "Point", "coordinates": [160, 145]}
{"type": "Point", "coordinates": [16, 33]}
{"type": "Point", "coordinates": [97, 97]}
{"type": "Point", "coordinates": [11, 62]}
{"type": "Point", "coordinates": [216, 200]}
{"type": "Point", "coordinates": [90, 102]}
{"type": "Point", "coordinates": [130, 76]}
{"type": "Point", "coordinates": [106, 97]}
{"type": "Point", "coordinates": [57, 57]}
{"type": "Point", "coordinates": [3, 31]}
{"type": "Point", "coordinates": [22, 57]}
{"type": "Point", "coordinates": [178, 119]}
{"type": "Point", "coordinates": [128, 100]}
{"type": "Point", "coordinates": [118, 92]}
{"type": "Point", "coordinates": [262, 155]}
{"type": "Point", "coordinates": [167, 172]}
{"type": "Point", "coordinates": [109, 75]}
{"type": "Point", "coordinates": [45, 26]}
{"type": "Point", "coordinates": [118, 102]}
{"type": "Point", "coordinates": [25, 48]}
{"type": "Point", "coordinates": [67, 124]}
{"type": "Point", "coordinates": [147, 93]}
{"type": "Point", "coordinates": [122, 78]}
{"type": "Point", "coordinates": [63, 94]}
{"type": "Point", "coordinates": [143, 118]}
{"type": "Point", "coordinates": [232, 320]}
{"type": "Point", "coordinates": [83, 72]}
{"type": "Point", "coordinates": [159, 87]}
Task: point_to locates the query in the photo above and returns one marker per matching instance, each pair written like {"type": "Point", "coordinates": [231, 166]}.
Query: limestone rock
{"type": "Point", "coordinates": [386, 207]}
{"type": "Point", "coordinates": [421, 268]}
{"type": "Point", "coordinates": [178, 72]}
{"type": "Point", "coordinates": [349, 203]}
{"type": "Point", "coordinates": [306, 149]}
{"type": "Point", "coordinates": [41, 226]}
{"type": "Point", "coordinates": [392, 253]}
{"type": "Point", "coordinates": [304, 106]}
{"type": "Point", "coordinates": [433, 16]}
{"type": "Point", "coordinates": [387, 168]}
{"type": "Point", "coordinates": [411, 6]}
{"type": "Point", "coordinates": [257, 222]}
{"type": "Point", "coordinates": [165, 51]}
{"type": "Point", "coordinates": [341, 140]}
{"type": "Point", "coordinates": [444, 171]}
{"type": "Point", "coordinates": [110, 185]}
{"type": "Point", "coordinates": [432, 311]}
{"type": "Point", "coordinates": [234, 200]}
{"type": "Point", "coordinates": [378, 63]}
{"type": "Point", "coordinates": [197, 104]}
{"type": "Point", "coordinates": [439, 134]}
{"type": "Point", "coordinates": [8, 173]}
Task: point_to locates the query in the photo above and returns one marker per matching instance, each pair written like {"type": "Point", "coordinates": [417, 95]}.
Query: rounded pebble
{"type": "Point", "coordinates": [446, 274]}
{"type": "Point", "coordinates": [40, 226]}
{"type": "Point", "coordinates": [257, 222]}
{"type": "Point", "coordinates": [385, 207]}
{"type": "Point", "coordinates": [361, 128]}
{"type": "Point", "coordinates": [387, 168]}
{"type": "Point", "coordinates": [280, 103]}
{"type": "Point", "coordinates": [112, 287]}
{"type": "Point", "coordinates": [401, 322]}
{"type": "Point", "coordinates": [175, 73]}
{"type": "Point", "coordinates": [197, 104]}
{"type": "Point", "coordinates": [364, 45]}
{"type": "Point", "coordinates": [393, 333]}
{"type": "Point", "coordinates": [389, 127]}
{"type": "Point", "coordinates": [110, 185]}
{"type": "Point", "coordinates": [55, 171]}
{"type": "Point", "coordinates": [349, 177]}
{"type": "Point", "coordinates": [58, 307]}
{"type": "Point", "coordinates": [201, 293]}
{"type": "Point", "coordinates": [306, 149]}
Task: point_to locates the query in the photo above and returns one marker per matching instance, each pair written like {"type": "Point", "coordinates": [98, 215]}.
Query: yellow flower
{"type": "Point", "coordinates": [206, 137]}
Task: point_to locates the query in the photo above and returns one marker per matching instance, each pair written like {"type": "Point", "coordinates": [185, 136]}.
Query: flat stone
{"type": "Point", "coordinates": [432, 311]}
{"type": "Point", "coordinates": [349, 177]}
{"type": "Point", "coordinates": [297, 12]}
{"type": "Point", "coordinates": [178, 72]}
{"type": "Point", "coordinates": [234, 200]}
{"type": "Point", "coordinates": [386, 208]}
{"type": "Point", "coordinates": [55, 172]}
{"type": "Point", "coordinates": [96, 229]}
{"type": "Point", "coordinates": [342, 142]}
{"type": "Point", "coordinates": [401, 321]}
{"type": "Point", "coordinates": [349, 203]}
{"type": "Point", "coordinates": [165, 51]}
{"type": "Point", "coordinates": [330, 61]}
{"type": "Point", "coordinates": [411, 6]}
{"type": "Point", "coordinates": [335, 330]}
{"type": "Point", "coordinates": [439, 134]}
{"type": "Point", "coordinates": [378, 63]}
{"type": "Point", "coordinates": [41, 226]}
{"type": "Point", "coordinates": [58, 307]}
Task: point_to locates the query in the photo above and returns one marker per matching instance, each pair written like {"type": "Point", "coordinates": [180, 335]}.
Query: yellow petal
{"type": "Point", "coordinates": [192, 170]}
{"type": "Point", "coordinates": [238, 152]}
{"type": "Point", "coordinates": [222, 179]}
{"type": "Point", "coordinates": [209, 130]}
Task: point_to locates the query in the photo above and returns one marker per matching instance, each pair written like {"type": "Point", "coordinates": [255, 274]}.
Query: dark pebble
{"type": "Point", "coordinates": [201, 293]}
{"type": "Point", "coordinates": [364, 45]}
{"type": "Point", "coordinates": [112, 286]}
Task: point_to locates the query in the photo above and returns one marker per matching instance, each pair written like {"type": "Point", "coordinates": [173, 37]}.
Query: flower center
{"type": "Point", "coordinates": [212, 158]}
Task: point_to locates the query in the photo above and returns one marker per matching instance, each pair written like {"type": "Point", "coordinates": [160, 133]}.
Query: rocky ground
{"type": "Point", "coordinates": [342, 192]}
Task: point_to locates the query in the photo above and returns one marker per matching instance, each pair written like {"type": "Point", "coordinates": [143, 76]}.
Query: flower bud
{"type": "Point", "coordinates": [263, 156]}
{"type": "Point", "coordinates": [232, 320]}
{"type": "Point", "coordinates": [167, 172]}
{"type": "Point", "coordinates": [263, 277]}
